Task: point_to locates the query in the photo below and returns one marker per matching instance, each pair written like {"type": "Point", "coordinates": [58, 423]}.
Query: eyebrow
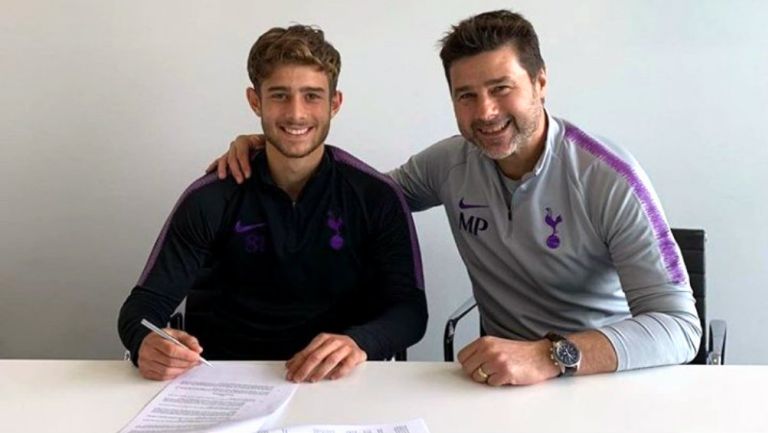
{"type": "Point", "coordinates": [488, 83]}
{"type": "Point", "coordinates": [304, 89]}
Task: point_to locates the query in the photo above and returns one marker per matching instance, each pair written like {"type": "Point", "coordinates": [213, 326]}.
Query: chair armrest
{"type": "Point", "coordinates": [450, 326]}
{"type": "Point", "coordinates": [717, 336]}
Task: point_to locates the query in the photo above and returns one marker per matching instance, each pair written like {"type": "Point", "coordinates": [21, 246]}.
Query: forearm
{"type": "Point", "coordinates": [597, 353]}
{"type": "Point", "coordinates": [653, 339]}
{"type": "Point", "coordinates": [395, 329]}
{"type": "Point", "coordinates": [142, 304]}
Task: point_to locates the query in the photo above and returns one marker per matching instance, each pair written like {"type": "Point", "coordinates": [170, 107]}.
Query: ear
{"type": "Point", "coordinates": [541, 83]}
{"type": "Point", "coordinates": [253, 100]}
{"type": "Point", "coordinates": [336, 100]}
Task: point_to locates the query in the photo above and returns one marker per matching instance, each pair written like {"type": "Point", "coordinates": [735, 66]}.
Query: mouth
{"type": "Point", "coordinates": [295, 131]}
{"type": "Point", "coordinates": [494, 129]}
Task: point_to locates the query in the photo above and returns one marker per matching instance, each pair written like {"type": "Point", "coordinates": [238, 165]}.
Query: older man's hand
{"type": "Point", "coordinates": [497, 361]}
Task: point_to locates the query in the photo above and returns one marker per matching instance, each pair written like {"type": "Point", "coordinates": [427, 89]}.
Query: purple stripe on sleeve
{"type": "Point", "coordinates": [346, 158]}
{"type": "Point", "coordinates": [661, 231]}
{"type": "Point", "coordinates": [205, 180]}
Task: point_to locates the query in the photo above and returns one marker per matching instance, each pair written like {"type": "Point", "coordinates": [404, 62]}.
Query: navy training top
{"type": "Point", "coordinates": [344, 259]}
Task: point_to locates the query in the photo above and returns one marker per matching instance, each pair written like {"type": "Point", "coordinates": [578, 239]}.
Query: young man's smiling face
{"type": "Point", "coordinates": [497, 105]}
{"type": "Point", "coordinates": [295, 105]}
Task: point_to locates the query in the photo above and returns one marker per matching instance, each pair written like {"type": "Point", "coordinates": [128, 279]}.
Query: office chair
{"type": "Point", "coordinates": [691, 242]}
{"type": "Point", "coordinates": [197, 311]}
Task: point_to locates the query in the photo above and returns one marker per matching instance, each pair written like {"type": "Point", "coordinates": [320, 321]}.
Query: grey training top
{"type": "Point", "coordinates": [579, 243]}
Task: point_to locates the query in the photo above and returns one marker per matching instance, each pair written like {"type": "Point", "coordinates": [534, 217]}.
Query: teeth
{"type": "Point", "coordinates": [294, 131]}
{"type": "Point", "coordinates": [496, 128]}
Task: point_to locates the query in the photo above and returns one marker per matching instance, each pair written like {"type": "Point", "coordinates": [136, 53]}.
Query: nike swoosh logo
{"type": "Point", "coordinates": [469, 206]}
{"type": "Point", "coordinates": [240, 228]}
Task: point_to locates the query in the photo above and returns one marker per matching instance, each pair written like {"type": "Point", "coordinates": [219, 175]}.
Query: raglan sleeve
{"type": "Point", "coordinates": [423, 176]}
{"type": "Point", "coordinates": [397, 302]}
{"type": "Point", "coordinates": [180, 251]}
{"type": "Point", "coordinates": [664, 328]}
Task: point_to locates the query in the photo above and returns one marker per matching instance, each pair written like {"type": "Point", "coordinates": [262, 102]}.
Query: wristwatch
{"type": "Point", "coordinates": [565, 354]}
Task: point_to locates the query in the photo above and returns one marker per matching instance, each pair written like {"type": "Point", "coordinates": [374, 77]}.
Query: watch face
{"type": "Point", "coordinates": [567, 353]}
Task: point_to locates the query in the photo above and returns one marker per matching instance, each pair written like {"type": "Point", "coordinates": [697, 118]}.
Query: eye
{"type": "Point", "coordinates": [278, 96]}
{"type": "Point", "coordinates": [465, 96]}
{"type": "Point", "coordinates": [313, 97]}
{"type": "Point", "coordinates": [501, 89]}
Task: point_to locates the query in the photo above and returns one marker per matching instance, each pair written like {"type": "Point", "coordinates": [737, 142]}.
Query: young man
{"type": "Point", "coordinates": [562, 234]}
{"type": "Point", "coordinates": [314, 259]}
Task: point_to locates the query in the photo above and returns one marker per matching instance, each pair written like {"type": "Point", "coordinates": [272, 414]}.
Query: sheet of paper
{"type": "Point", "coordinates": [413, 426]}
{"type": "Point", "coordinates": [230, 397]}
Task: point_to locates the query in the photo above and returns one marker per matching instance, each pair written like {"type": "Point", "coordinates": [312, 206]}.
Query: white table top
{"type": "Point", "coordinates": [102, 396]}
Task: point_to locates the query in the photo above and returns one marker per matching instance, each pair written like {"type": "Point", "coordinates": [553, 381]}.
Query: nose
{"type": "Point", "coordinates": [487, 108]}
{"type": "Point", "coordinates": [296, 111]}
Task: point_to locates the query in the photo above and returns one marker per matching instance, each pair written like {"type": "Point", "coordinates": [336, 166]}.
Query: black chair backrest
{"type": "Point", "coordinates": [691, 244]}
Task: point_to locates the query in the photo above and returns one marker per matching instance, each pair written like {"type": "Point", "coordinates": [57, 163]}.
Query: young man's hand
{"type": "Point", "coordinates": [237, 161]}
{"type": "Point", "coordinates": [328, 356]}
{"type": "Point", "coordinates": [160, 359]}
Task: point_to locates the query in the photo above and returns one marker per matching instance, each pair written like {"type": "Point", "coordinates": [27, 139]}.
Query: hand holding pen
{"type": "Point", "coordinates": [165, 354]}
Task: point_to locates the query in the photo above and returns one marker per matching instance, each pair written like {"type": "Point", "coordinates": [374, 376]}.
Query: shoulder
{"type": "Point", "coordinates": [448, 153]}
{"type": "Point", "coordinates": [594, 159]}
{"type": "Point", "coordinates": [360, 175]}
{"type": "Point", "coordinates": [208, 192]}
{"type": "Point", "coordinates": [376, 192]}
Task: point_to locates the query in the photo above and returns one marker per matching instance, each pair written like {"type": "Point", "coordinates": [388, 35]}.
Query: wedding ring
{"type": "Point", "coordinates": [483, 375]}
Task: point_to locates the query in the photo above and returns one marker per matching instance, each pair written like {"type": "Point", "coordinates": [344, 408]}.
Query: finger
{"type": "Point", "coordinates": [150, 374]}
{"type": "Point", "coordinates": [497, 379]}
{"type": "Point", "coordinates": [191, 342]}
{"type": "Point", "coordinates": [314, 358]}
{"type": "Point", "coordinates": [256, 141]}
{"type": "Point", "coordinates": [222, 166]}
{"type": "Point", "coordinates": [161, 359]}
{"type": "Point", "coordinates": [153, 351]}
{"type": "Point", "coordinates": [212, 166]}
{"type": "Point", "coordinates": [477, 360]}
{"type": "Point", "coordinates": [233, 165]}
{"type": "Point", "coordinates": [172, 350]}
{"type": "Point", "coordinates": [296, 362]}
{"type": "Point", "coordinates": [329, 363]}
{"type": "Point", "coordinates": [468, 350]}
{"type": "Point", "coordinates": [477, 377]}
{"type": "Point", "coordinates": [298, 358]}
{"type": "Point", "coordinates": [242, 155]}
{"type": "Point", "coordinates": [162, 374]}
{"type": "Point", "coordinates": [155, 371]}
{"type": "Point", "coordinates": [188, 340]}
{"type": "Point", "coordinates": [345, 367]}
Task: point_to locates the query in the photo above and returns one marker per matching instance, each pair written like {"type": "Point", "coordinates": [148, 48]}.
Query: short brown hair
{"type": "Point", "coordinates": [489, 31]}
{"type": "Point", "coordinates": [297, 45]}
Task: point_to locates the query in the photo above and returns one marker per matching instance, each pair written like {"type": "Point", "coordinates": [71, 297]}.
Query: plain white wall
{"type": "Point", "coordinates": [109, 109]}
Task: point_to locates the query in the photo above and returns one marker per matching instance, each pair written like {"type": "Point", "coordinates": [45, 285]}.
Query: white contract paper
{"type": "Point", "coordinates": [413, 426]}
{"type": "Point", "coordinates": [231, 397]}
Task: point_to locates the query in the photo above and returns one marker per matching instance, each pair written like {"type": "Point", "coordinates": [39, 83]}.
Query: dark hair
{"type": "Point", "coordinates": [489, 31]}
{"type": "Point", "coordinates": [297, 44]}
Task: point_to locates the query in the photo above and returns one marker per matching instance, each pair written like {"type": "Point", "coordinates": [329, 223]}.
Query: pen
{"type": "Point", "coordinates": [170, 338]}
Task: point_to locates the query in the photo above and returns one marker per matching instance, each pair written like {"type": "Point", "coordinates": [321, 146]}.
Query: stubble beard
{"type": "Point", "coordinates": [522, 132]}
